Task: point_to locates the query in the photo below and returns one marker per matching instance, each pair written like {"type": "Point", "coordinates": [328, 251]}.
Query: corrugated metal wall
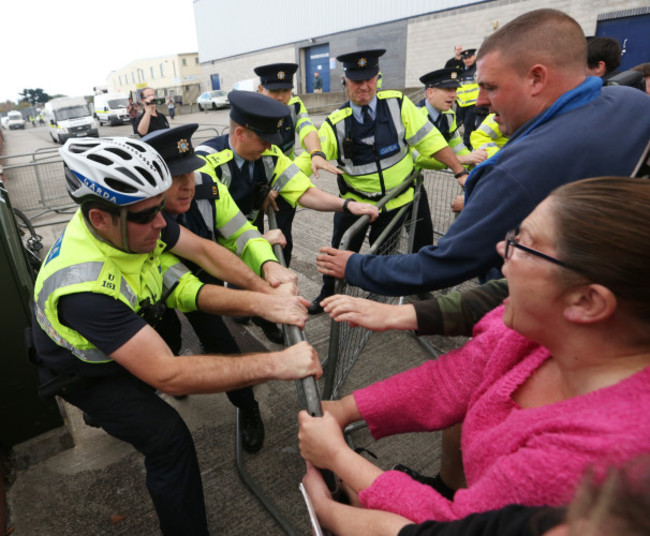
{"type": "Point", "coordinates": [226, 29]}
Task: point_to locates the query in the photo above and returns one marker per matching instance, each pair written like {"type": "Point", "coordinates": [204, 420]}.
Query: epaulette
{"type": "Point", "coordinates": [340, 114]}
{"type": "Point", "coordinates": [220, 158]}
{"type": "Point", "coordinates": [389, 94]}
{"type": "Point", "coordinates": [207, 191]}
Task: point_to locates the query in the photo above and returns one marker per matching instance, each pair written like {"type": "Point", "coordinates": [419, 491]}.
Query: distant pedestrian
{"type": "Point", "coordinates": [171, 107]}
{"type": "Point", "coordinates": [318, 83]}
{"type": "Point", "coordinates": [132, 110]}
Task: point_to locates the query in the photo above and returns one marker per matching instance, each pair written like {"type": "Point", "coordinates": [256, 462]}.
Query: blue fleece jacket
{"type": "Point", "coordinates": [589, 131]}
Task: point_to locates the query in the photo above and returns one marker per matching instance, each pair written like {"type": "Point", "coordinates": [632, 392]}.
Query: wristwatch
{"type": "Point", "coordinates": [318, 153]}
{"type": "Point", "coordinates": [345, 205]}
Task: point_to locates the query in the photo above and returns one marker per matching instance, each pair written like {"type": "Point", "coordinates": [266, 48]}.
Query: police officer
{"type": "Point", "coordinates": [467, 94]}
{"type": "Point", "coordinates": [249, 162]}
{"type": "Point", "coordinates": [276, 81]}
{"type": "Point", "coordinates": [370, 137]}
{"type": "Point", "coordinates": [488, 136]}
{"type": "Point", "coordinates": [104, 279]}
{"type": "Point", "coordinates": [212, 214]}
{"type": "Point", "coordinates": [441, 86]}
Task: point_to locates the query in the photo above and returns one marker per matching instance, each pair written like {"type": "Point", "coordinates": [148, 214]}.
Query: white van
{"type": "Point", "coordinates": [69, 117]}
{"type": "Point", "coordinates": [110, 108]}
{"type": "Point", "coordinates": [15, 120]}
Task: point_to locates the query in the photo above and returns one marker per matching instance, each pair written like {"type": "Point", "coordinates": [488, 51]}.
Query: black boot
{"type": "Point", "coordinates": [271, 331]}
{"type": "Point", "coordinates": [251, 428]}
{"type": "Point", "coordinates": [315, 307]}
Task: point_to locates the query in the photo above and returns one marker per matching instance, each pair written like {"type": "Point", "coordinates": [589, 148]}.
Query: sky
{"type": "Point", "coordinates": [69, 46]}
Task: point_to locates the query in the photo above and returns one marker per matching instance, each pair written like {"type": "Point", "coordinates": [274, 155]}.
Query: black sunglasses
{"type": "Point", "coordinates": [147, 215]}
{"type": "Point", "coordinates": [511, 242]}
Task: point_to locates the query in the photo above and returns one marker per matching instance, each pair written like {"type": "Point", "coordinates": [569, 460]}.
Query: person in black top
{"type": "Point", "coordinates": [457, 61]}
{"type": "Point", "coordinates": [150, 119]}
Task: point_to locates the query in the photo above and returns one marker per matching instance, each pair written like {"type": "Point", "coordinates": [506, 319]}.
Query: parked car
{"type": "Point", "coordinates": [214, 99]}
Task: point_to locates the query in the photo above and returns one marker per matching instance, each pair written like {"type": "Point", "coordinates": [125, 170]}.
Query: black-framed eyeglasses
{"type": "Point", "coordinates": [147, 215]}
{"type": "Point", "coordinates": [511, 242]}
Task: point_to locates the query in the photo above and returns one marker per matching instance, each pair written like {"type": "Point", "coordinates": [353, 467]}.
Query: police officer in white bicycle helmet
{"type": "Point", "coordinates": [102, 283]}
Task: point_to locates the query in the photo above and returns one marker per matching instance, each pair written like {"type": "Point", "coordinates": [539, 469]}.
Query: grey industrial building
{"type": "Point", "coordinates": [419, 35]}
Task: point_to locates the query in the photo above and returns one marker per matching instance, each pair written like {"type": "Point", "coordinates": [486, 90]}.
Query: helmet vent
{"type": "Point", "coordinates": [79, 148]}
{"type": "Point", "coordinates": [136, 146]}
{"type": "Point", "coordinates": [120, 186]}
{"type": "Point", "coordinates": [158, 168]}
{"type": "Point", "coordinates": [119, 152]}
{"type": "Point", "coordinates": [100, 159]}
{"type": "Point", "coordinates": [145, 173]}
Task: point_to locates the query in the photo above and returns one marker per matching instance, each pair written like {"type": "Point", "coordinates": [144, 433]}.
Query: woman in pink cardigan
{"type": "Point", "coordinates": [554, 381]}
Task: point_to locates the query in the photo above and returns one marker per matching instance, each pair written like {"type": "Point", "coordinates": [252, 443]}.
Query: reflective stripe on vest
{"type": "Point", "coordinates": [369, 169]}
{"type": "Point", "coordinates": [77, 273]}
{"type": "Point", "coordinates": [173, 275]}
{"type": "Point", "coordinates": [205, 149]}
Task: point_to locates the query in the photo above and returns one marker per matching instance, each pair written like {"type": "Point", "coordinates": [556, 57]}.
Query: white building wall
{"type": "Point", "coordinates": [227, 29]}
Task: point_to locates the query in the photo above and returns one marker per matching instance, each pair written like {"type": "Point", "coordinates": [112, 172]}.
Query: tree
{"type": "Point", "coordinates": [34, 96]}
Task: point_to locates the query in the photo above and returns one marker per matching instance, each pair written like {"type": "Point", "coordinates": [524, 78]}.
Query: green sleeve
{"type": "Point", "coordinates": [180, 286]}
{"type": "Point", "coordinates": [288, 180]}
{"type": "Point", "coordinates": [304, 124]}
{"type": "Point", "coordinates": [420, 133]}
{"type": "Point", "coordinates": [236, 233]}
{"type": "Point", "coordinates": [458, 312]}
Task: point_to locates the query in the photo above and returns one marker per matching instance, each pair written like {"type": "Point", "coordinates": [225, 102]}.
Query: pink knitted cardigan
{"type": "Point", "coordinates": [511, 455]}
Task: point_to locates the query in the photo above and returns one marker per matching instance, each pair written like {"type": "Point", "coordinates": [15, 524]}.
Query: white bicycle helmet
{"type": "Point", "coordinates": [118, 170]}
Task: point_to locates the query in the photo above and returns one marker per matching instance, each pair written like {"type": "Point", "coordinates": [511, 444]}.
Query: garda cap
{"type": "Point", "coordinates": [468, 53]}
{"type": "Point", "coordinates": [259, 113]}
{"type": "Point", "coordinates": [276, 75]}
{"type": "Point", "coordinates": [362, 65]}
{"type": "Point", "coordinates": [175, 147]}
{"type": "Point", "coordinates": [442, 78]}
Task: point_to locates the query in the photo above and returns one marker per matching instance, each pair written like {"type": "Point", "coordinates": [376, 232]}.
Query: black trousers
{"type": "Point", "coordinates": [343, 221]}
{"type": "Point", "coordinates": [469, 123]}
{"type": "Point", "coordinates": [129, 409]}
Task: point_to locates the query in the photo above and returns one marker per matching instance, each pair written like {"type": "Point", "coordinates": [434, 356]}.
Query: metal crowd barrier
{"type": "Point", "coordinates": [36, 183]}
{"type": "Point", "coordinates": [346, 344]}
{"type": "Point", "coordinates": [309, 399]}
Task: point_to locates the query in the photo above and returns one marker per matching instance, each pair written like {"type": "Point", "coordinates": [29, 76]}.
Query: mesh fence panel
{"type": "Point", "coordinates": [37, 186]}
{"type": "Point", "coordinates": [347, 343]}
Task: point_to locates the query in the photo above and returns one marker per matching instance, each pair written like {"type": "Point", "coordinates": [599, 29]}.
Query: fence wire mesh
{"type": "Point", "coordinates": [347, 343]}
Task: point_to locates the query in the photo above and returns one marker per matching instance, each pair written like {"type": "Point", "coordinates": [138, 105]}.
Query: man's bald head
{"type": "Point", "coordinates": [545, 36]}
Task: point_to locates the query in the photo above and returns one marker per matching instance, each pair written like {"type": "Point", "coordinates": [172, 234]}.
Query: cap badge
{"type": "Point", "coordinates": [281, 75]}
{"type": "Point", "coordinates": [183, 146]}
{"type": "Point", "coordinates": [280, 123]}
{"type": "Point", "coordinates": [454, 75]}
{"type": "Point", "coordinates": [362, 62]}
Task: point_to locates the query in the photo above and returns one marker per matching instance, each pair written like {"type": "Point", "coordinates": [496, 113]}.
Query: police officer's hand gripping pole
{"type": "Point", "coordinates": [308, 395]}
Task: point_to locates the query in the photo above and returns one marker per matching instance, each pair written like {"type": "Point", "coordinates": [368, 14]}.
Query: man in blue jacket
{"type": "Point", "coordinates": [563, 126]}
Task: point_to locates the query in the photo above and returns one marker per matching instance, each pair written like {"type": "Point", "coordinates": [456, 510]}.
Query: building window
{"type": "Point", "coordinates": [196, 60]}
{"type": "Point", "coordinates": [184, 62]}
{"type": "Point", "coordinates": [133, 77]}
{"type": "Point", "coordinates": [162, 70]}
{"type": "Point", "coordinates": [151, 69]}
